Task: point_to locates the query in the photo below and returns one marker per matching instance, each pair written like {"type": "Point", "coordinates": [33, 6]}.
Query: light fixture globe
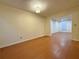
{"type": "Point", "coordinates": [37, 11]}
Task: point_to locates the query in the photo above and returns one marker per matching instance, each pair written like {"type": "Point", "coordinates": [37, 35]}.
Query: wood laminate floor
{"type": "Point", "coordinates": [58, 46]}
{"type": "Point", "coordinates": [0, 54]}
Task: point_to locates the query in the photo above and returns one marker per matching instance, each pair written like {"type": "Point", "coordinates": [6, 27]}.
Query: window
{"type": "Point", "coordinates": [64, 25]}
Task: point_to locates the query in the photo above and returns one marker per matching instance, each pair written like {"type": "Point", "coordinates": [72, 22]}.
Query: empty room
{"type": "Point", "coordinates": [39, 29]}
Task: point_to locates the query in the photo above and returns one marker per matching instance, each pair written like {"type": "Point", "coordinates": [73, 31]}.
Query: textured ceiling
{"type": "Point", "coordinates": [53, 6]}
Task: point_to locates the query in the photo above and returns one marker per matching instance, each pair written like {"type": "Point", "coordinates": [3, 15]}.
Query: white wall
{"type": "Point", "coordinates": [17, 25]}
{"type": "Point", "coordinates": [47, 26]}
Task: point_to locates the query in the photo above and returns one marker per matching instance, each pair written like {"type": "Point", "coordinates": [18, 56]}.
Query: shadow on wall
{"type": "Point", "coordinates": [7, 32]}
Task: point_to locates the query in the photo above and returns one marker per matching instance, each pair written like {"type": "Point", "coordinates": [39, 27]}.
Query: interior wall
{"type": "Point", "coordinates": [47, 26]}
{"type": "Point", "coordinates": [74, 13]}
{"type": "Point", "coordinates": [17, 25]}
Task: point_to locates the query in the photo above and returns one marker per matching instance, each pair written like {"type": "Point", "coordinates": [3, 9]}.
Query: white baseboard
{"type": "Point", "coordinates": [17, 42]}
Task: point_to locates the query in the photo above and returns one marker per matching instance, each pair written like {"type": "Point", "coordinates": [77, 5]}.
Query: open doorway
{"type": "Point", "coordinates": [63, 24]}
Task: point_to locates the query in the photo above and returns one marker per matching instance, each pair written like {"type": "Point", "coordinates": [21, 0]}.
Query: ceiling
{"type": "Point", "coordinates": [52, 6]}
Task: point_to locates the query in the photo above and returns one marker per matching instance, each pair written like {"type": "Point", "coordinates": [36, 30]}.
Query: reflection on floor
{"type": "Point", "coordinates": [61, 44]}
{"type": "Point", "coordinates": [58, 46]}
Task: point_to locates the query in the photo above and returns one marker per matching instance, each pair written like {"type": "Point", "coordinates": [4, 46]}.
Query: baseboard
{"type": "Point", "coordinates": [14, 43]}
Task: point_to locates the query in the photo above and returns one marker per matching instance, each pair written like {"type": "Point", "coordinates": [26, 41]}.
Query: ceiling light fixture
{"type": "Point", "coordinates": [38, 5]}
{"type": "Point", "coordinates": [38, 11]}
{"type": "Point", "coordinates": [37, 8]}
